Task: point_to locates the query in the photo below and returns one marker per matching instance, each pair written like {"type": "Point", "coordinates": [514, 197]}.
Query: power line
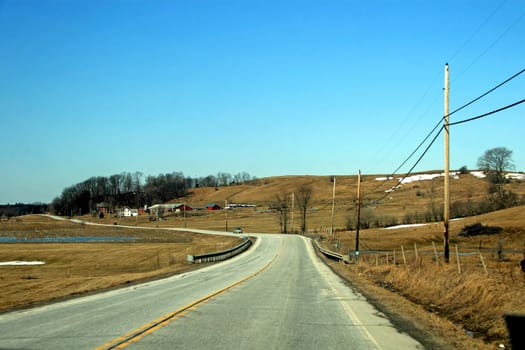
{"type": "Point", "coordinates": [390, 141]}
{"type": "Point", "coordinates": [411, 154]}
{"type": "Point", "coordinates": [451, 113]}
{"type": "Point", "coordinates": [486, 93]}
{"type": "Point", "coordinates": [417, 148]}
{"type": "Point", "coordinates": [487, 114]}
{"type": "Point", "coordinates": [438, 133]}
{"type": "Point", "coordinates": [455, 111]}
{"type": "Point", "coordinates": [475, 32]}
{"type": "Point", "coordinates": [415, 164]}
{"type": "Point", "coordinates": [450, 124]}
{"type": "Point", "coordinates": [478, 29]}
{"type": "Point", "coordinates": [516, 21]}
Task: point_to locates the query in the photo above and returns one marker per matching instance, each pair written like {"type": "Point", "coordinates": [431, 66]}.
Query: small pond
{"type": "Point", "coordinates": [72, 239]}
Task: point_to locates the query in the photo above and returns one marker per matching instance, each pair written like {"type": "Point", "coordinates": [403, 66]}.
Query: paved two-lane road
{"type": "Point", "coordinates": [278, 295]}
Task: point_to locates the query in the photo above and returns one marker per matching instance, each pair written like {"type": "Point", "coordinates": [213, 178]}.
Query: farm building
{"type": "Point", "coordinates": [213, 206]}
{"type": "Point", "coordinates": [127, 211]}
{"type": "Point", "coordinates": [103, 207]}
{"type": "Point", "coordinates": [171, 207]}
{"type": "Point", "coordinates": [182, 208]}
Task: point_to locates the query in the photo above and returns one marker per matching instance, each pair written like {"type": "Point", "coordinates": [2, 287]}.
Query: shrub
{"type": "Point", "coordinates": [351, 223]}
{"type": "Point", "coordinates": [478, 229]}
{"type": "Point", "coordinates": [463, 170]}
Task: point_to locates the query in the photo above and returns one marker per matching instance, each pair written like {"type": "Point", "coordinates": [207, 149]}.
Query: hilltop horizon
{"type": "Point", "coordinates": [254, 178]}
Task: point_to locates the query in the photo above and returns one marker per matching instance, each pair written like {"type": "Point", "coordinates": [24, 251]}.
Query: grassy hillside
{"type": "Point", "coordinates": [408, 201]}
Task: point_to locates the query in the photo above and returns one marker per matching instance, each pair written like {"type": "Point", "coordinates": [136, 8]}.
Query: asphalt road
{"type": "Point", "coordinates": [278, 295]}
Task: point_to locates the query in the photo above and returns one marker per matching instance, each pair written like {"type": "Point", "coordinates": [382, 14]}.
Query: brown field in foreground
{"type": "Point", "coordinates": [75, 268]}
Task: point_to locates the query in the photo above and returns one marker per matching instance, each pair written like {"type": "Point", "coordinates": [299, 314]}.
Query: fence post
{"type": "Point", "coordinates": [395, 257]}
{"type": "Point", "coordinates": [404, 257]}
{"type": "Point", "coordinates": [435, 253]}
{"type": "Point", "coordinates": [483, 263]}
{"type": "Point", "coordinates": [457, 257]}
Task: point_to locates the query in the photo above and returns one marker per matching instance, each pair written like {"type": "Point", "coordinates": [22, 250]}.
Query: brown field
{"type": "Point", "coordinates": [75, 268]}
{"type": "Point", "coordinates": [464, 307]}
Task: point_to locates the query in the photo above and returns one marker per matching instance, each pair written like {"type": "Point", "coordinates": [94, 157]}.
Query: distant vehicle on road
{"type": "Point", "coordinates": [237, 230]}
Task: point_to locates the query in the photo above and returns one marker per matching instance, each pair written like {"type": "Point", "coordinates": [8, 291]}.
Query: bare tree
{"type": "Point", "coordinates": [282, 206]}
{"type": "Point", "coordinates": [304, 195]}
{"type": "Point", "coordinates": [224, 179]}
{"type": "Point", "coordinates": [435, 213]}
{"type": "Point", "coordinates": [242, 177]}
{"type": "Point", "coordinates": [494, 163]}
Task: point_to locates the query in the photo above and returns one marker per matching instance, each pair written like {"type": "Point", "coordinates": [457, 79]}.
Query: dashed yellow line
{"type": "Point", "coordinates": [148, 328]}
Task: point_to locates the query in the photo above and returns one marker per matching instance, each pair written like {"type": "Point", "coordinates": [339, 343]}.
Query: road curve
{"type": "Point", "coordinates": [277, 295]}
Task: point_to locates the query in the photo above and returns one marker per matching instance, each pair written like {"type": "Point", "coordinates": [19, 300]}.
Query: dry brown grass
{"type": "Point", "coordinates": [474, 300]}
{"type": "Point", "coordinates": [74, 268]}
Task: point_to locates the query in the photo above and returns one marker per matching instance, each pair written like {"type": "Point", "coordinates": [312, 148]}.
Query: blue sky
{"type": "Point", "coordinates": [95, 88]}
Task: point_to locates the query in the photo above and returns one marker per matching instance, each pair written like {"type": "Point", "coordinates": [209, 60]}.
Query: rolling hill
{"type": "Point", "coordinates": [409, 203]}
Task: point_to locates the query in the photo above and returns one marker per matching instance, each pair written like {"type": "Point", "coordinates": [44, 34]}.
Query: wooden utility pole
{"type": "Point", "coordinates": [293, 203]}
{"type": "Point", "coordinates": [333, 208]}
{"type": "Point", "coordinates": [446, 209]}
{"type": "Point", "coordinates": [358, 214]}
{"type": "Point", "coordinates": [226, 215]}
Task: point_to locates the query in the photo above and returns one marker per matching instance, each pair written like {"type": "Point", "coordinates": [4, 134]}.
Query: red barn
{"type": "Point", "coordinates": [213, 206]}
{"type": "Point", "coordinates": [182, 207]}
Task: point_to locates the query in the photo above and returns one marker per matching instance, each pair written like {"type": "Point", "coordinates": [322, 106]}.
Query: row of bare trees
{"type": "Point", "coordinates": [10, 210]}
{"type": "Point", "coordinates": [284, 204]}
{"type": "Point", "coordinates": [134, 190]}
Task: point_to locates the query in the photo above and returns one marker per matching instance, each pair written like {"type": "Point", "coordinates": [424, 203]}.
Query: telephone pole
{"type": "Point", "coordinates": [333, 208]}
{"type": "Point", "coordinates": [446, 209]}
{"type": "Point", "coordinates": [226, 215]}
{"type": "Point", "coordinates": [358, 214]}
{"type": "Point", "coordinates": [293, 200]}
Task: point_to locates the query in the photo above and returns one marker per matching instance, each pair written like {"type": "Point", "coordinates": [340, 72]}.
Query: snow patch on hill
{"type": "Point", "coordinates": [415, 178]}
{"type": "Point", "coordinates": [516, 176]}
{"type": "Point", "coordinates": [478, 174]}
{"type": "Point", "coordinates": [20, 263]}
{"type": "Point", "coordinates": [454, 174]}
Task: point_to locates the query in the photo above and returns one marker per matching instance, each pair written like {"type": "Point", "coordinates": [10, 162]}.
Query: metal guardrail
{"type": "Point", "coordinates": [222, 255]}
{"type": "Point", "coordinates": [333, 255]}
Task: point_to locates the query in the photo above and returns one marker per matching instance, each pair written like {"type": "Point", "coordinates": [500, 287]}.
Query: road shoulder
{"type": "Point", "coordinates": [429, 329]}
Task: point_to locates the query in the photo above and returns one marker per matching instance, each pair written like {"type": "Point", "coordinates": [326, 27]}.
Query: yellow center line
{"type": "Point", "coordinates": [150, 327]}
